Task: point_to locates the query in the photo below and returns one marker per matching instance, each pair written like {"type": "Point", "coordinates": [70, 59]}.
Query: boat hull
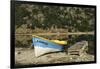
{"type": "Point", "coordinates": [42, 46]}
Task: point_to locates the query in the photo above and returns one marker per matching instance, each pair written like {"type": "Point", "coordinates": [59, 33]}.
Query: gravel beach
{"type": "Point", "coordinates": [26, 56]}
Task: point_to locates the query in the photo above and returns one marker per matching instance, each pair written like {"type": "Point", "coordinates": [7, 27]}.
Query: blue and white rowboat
{"type": "Point", "coordinates": [43, 46]}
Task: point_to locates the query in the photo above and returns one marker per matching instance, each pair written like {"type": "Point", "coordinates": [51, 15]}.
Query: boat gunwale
{"type": "Point", "coordinates": [48, 40]}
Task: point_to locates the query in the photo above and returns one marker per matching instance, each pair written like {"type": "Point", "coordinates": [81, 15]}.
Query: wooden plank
{"type": "Point", "coordinates": [78, 48]}
{"type": "Point", "coordinates": [79, 45]}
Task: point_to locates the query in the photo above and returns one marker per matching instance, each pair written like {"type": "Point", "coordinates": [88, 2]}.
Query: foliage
{"type": "Point", "coordinates": [47, 16]}
{"type": "Point", "coordinates": [40, 18]}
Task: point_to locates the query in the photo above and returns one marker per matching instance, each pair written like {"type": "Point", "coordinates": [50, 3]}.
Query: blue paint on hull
{"type": "Point", "coordinates": [45, 43]}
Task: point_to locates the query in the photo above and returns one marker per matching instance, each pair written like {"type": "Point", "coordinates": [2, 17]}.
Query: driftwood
{"type": "Point", "coordinates": [78, 49]}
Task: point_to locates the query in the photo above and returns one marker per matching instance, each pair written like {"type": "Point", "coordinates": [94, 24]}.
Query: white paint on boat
{"type": "Point", "coordinates": [40, 50]}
